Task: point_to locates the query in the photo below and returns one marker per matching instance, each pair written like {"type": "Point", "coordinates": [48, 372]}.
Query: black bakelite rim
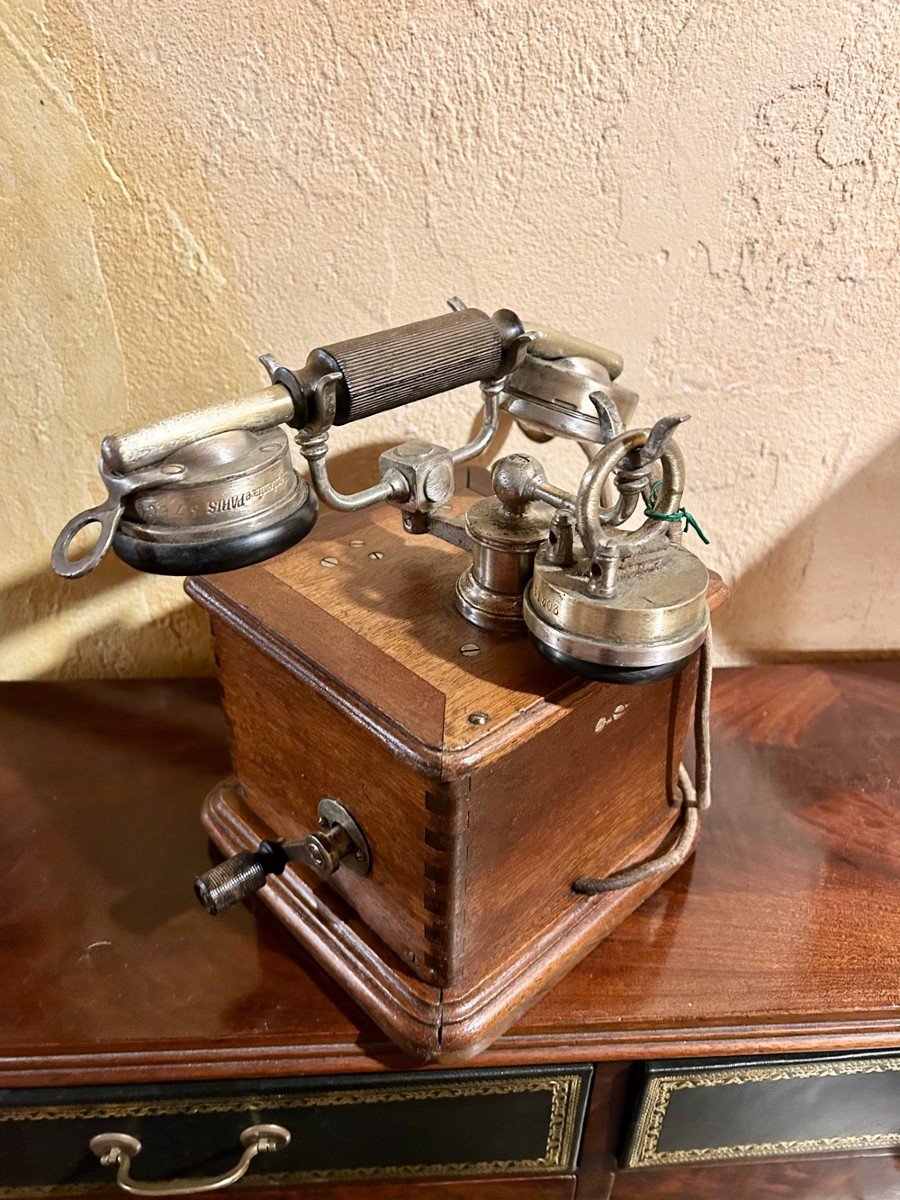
{"type": "Point", "coordinates": [610, 674]}
{"type": "Point", "coordinates": [227, 554]}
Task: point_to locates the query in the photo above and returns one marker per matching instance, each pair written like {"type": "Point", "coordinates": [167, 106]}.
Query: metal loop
{"type": "Point", "coordinates": [694, 798]}
{"type": "Point", "coordinates": [593, 520]}
{"type": "Point", "coordinates": [107, 516]}
{"type": "Point", "coordinates": [118, 1149]}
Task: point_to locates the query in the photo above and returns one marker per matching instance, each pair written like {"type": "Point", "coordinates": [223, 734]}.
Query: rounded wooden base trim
{"type": "Point", "coordinates": [428, 1022]}
{"type": "Point", "coordinates": [407, 1009]}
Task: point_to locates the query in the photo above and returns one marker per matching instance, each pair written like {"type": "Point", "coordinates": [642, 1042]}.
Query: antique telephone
{"type": "Point", "coordinates": [214, 490]}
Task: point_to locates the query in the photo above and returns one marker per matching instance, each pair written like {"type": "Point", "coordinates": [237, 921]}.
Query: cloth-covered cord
{"type": "Point", "coordinates": [694, 797]}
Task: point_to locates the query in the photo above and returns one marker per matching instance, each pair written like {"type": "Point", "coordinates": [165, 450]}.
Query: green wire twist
{"type": "Point", "coordinates": [681, 514]}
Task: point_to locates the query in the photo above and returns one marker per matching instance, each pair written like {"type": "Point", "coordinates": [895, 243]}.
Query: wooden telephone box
{"type": "Point", "coordinates": [485, 778]}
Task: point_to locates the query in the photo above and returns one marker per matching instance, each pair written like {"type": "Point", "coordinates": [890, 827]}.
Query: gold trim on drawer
{"type": "Point", "coordinates": [563, 1128]}
{"type": "Point", "coordinates": [643, 1150]}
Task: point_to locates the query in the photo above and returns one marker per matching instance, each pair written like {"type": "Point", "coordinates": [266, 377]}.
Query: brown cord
{"type": "Point", "coordinates": [694, 797]}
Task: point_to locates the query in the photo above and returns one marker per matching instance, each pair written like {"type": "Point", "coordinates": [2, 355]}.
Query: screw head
{"type": "Point", "coordinates": [356, 542]}
{"type": "Point", "coordinates": [469, 649]}
{"type": "Point", "coordinates": [328, 562]}
{"type": "Point", "coordinates": [376, 554]}
{"type": "Point", "coordinates": [478, 718]}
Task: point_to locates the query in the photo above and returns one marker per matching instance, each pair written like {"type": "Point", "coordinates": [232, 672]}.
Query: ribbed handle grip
{"type": "Point", "coordinates": [384, 370]}
{"type": "Point", "coordinates": [229, 881]}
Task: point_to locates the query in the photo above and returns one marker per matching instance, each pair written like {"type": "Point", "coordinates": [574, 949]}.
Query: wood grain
{"type": "Point", "coordinates": [782, 935]}
{"type": "Point", "coordinates": [382, 636]}
{"type": "Point", "coordinates": [449, 1023]}
{"type": "Point", "coordinates": [343, 676]}
{"type": "Point", "coordinates": [875, 1177]}
{"type": "Point", "coordinates": [290, 747]}
{"type": "Point", "coordinates": [584, 794]}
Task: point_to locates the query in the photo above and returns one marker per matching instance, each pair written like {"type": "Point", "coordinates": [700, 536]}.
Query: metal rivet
{"type": "Point", "coordinates": [619, 711]}
{"type": "Point", "coordinates": [328, 562]}
{"type": "Point", "coordinates": [407, 522]}
{"type": "Point", "coordinates": [478, 718]}
{"type": "Point", "coordinates": [470, 648]}
{"type": "Point", "coordinates": [173, 469]}
{"type": "Point", "coordinates": [377, 554]}
{"type": "Point", "coordinates": [357, 542]}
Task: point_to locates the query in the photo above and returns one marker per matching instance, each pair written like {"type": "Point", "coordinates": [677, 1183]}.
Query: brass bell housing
{"type": "Point", "coordinates": [616, 604]}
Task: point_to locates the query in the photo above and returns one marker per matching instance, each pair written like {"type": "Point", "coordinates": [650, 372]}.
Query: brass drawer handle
{"type": "Point", "coordinates": [118, 1149]}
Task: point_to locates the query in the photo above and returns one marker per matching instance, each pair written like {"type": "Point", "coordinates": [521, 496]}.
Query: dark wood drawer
{"type": "Point", "coordinates": [525, 1187]}
{"type": "Point", "coordinates": [453, 1124]}
{"type": "Point", "coordinates": [874, 1177]}
{"type": "Point", "coordinates": [695, 1112]}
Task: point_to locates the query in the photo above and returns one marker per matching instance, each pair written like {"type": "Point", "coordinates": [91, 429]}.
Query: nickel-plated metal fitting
{"type": "Point", "coordinates": [427, 474]}
{"type": "Point", "coordinates": [628, 604]}
{"type": "Point", "coordinates": [338, 841]}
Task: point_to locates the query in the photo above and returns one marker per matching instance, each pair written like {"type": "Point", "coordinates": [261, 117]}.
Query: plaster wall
{"type": "Point", "coordinates": [710, 188]}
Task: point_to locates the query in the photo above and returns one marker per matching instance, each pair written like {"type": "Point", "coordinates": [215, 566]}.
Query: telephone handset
{"type": "Point", "coordinates": [215, 489]}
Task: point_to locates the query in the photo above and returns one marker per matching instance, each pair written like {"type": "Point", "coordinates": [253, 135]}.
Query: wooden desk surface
{"type": "Point", "coordinates": [782, 935]}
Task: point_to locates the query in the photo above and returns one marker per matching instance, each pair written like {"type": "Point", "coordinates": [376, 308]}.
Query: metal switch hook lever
{"type": "Point", "coordinates": [118, 1149]}
{"type": "Point", "coordinates": [338, 841]}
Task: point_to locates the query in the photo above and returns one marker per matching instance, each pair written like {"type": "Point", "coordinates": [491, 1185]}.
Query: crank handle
{"type": "Point", "coordinates": [338, 841]}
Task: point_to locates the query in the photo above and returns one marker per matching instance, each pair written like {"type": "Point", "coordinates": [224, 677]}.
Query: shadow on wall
{"type": "Point", "coordinates": [176, 642]}
{"type": "Point", "coordinates": [827, 573]}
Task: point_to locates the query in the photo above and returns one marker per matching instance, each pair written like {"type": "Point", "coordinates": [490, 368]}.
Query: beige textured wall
{"type": "Point", "coordinates": [711, 188]}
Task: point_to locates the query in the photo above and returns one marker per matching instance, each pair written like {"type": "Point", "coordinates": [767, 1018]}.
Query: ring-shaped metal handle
{"type": "Point", "coordinates": [596, 535]}
{"type": "Point", "coordinates": [118, 1149]}
{"type": "Point", "coordinates": [107, 516]}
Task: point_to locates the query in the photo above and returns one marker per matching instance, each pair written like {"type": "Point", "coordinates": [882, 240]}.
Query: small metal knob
{"type": "Point", "coordinates": [338, 841]}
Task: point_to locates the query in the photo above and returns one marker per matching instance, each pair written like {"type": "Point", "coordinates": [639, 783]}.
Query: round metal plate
{"type": "Point", "coordinates": [332, 812]}
{"type": "Point", "coordinates": [104, 1142]}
